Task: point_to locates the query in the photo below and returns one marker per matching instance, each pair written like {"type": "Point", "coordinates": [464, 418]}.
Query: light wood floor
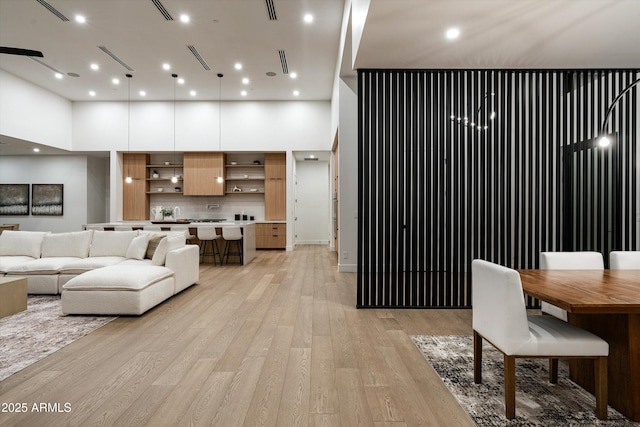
{"type": "Point", "coordinates": [276, 343]}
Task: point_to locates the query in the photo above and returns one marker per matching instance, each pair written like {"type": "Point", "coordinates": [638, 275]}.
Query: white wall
{"type": "Point", "coordinates": [73, 172]}
{"type": "Point", "coordinates": [312, 203]}
{"type": "Point", "coordinates": [348, 177]}
{"type": "Point", "coordinates": [246, 126]}
{"type": "Point", "coordinates": [33, 114]}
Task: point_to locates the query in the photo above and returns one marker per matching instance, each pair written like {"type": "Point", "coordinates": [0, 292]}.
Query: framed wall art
{"type": "Point", "coordinates": [47, 199]}
{"type": "Point", "coordinates": [14, 199]}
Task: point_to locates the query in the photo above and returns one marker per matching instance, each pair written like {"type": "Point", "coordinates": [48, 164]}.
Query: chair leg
{"type": "Point", "coordinates": [216, 250]}
{"type": "Point", "coordinates": [553, 371]}
{"type": "Point", "coordinates": [510, 386]}
{"type": "Point", "coordinates": [477, 358]}
{"type": "Point", "coordinates": [601, 391]}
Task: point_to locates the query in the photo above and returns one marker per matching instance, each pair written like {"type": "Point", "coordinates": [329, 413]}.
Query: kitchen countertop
{"type": "Point", "coordinates": [169, 224]}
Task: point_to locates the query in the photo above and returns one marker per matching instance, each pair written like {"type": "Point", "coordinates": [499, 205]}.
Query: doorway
{"type": "Point", "coordinates": [313, 201]}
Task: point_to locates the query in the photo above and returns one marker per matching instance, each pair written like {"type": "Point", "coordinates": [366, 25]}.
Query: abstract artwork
{"type": "Point", "coordinates": [46, 199]}
{"type": "Point", "coordinates": [14, 199]}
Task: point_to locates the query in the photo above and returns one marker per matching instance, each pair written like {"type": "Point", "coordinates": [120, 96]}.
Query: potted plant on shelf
{"type": "Point", "coordinates": [167, 214]}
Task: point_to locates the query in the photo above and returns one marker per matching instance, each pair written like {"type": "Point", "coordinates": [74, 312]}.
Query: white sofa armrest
{"type": "Point", "coordinates": [185, 263]}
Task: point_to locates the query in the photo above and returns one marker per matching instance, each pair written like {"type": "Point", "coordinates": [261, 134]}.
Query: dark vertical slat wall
{"type": "Point", "coordinates": [435, 194]}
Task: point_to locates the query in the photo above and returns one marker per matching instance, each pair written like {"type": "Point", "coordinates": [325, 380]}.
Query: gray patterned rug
{"type": "Point", "coordinates": [538, 402]}
{"type": "Point", "coordinates": [40, 330]}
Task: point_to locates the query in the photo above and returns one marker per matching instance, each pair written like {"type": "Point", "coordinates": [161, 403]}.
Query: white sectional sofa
{"type": "Point", "coordinates": [101, 272]}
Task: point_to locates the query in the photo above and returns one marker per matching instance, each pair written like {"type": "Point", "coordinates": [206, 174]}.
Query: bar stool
{"type": "Point", "coordinates": [184, 229]}
{"type": "Point", "coordinates": [232, 235]}
{"type": "Point", "coordinates": [208, 235]}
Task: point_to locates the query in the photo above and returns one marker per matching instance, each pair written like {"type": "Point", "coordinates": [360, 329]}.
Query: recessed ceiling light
{"type": "Point", "coordinates": [36, 150]}
{"type": "Point", "coordinates": [243, 93]}
{"type": "Point", "coordinates": [293, 75]}
{"type": "Point", "coordinates": [238, 66]}
{"type": "Point", "coordinates": [184, 18]}
{"type": "Point", "coordinates": [180, 81]}
{"type": "Point", "coordinates": [95, 66]}
{"type": "Point", "coordinates": [92, 93]}
{"type": "Point", "coordinates": [308, 18]}
{"type": "Point", "coordinates": [80, 19]}
{"type": "Point", "coordinates": [58, 75]}
{"type": "Point", "coordinates": [143, 93]}
{"type": "Point", "coordinates": [166, 66]}
{"type": "Point", "coordinates": [193, 93]}
{"type": "Point", "coordinates": [452, 33]}
{"type": "Point", "coordinates": [245, 81]}
{"type": "Point", "coordinates": [296, 93]}
{"type": "Point", "coordinates": [115, 81]}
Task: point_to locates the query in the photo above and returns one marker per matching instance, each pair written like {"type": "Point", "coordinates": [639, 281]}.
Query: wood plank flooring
{"type": "Point", "coordinates": [276, 343]}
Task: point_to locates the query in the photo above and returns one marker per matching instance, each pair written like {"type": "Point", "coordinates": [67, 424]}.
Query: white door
{"type": "Point", "coordinates": [313, 203]}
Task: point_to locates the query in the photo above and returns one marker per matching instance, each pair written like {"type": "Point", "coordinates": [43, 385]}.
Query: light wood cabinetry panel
{"type": "Point", "coordinates": [201, 171]}
{"type": "Point", "coordinates": [271, 236]}
{"type": "Point", "coordinates": [275, 186]}
{"type": "Point", "coordinates": [135, 200]}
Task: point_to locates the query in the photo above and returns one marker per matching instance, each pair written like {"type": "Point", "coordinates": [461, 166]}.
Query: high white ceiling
{"type": "Point", "coordinates": [223, 32]}
{"type": "Point", "coordinates": [395, 34]}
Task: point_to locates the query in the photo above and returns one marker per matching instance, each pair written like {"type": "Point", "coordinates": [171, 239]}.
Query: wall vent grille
{"type": "Point", "coordinates": [271, 10]}
{"type": "Point", "coordinates": [162, 10]}
{"type": "Point", "coordinates": [115, 58]}
{"type": "Point", "coordinates": [283, 61]}
{"type": "Point", "coordinates": [199, 57]}
{"type": "Point", "coordinates": [53, 10]}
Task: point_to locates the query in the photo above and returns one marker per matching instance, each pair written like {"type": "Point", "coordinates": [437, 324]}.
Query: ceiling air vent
{"type": "Point", "coordinates": [46, 65]}
{"type": "Point", "coordinates": [162, 10]}
{"type": "Point", "coordinates": [310, 159]}
{"type": "Point", "coordinates": [53, 10]}
{"type": "Point", "coordinates": [199, 57]}
{"type": "Point", "coordinates": [115, 58]}
{"type": "Point", "coordinates": [271, 10]}
{"type": "Point", "coordinates": [283, 62]}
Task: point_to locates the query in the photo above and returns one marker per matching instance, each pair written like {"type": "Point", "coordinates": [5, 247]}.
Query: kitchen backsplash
{"type": "Point", "coordinates": [196, 206]}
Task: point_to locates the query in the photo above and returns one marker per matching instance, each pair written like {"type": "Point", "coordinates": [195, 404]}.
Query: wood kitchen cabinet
{"type": "Point", "coordinates": [135, 200]}
{"type": "Point", "coordinates": [275, 186]}
{"type": "Point", "coordinates": [201, 172]}
{"type": "Point", "coordinates": [271, 235]}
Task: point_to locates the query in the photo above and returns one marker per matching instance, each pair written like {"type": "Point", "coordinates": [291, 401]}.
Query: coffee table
{"type": "Point", "coordinates": [13, 295]}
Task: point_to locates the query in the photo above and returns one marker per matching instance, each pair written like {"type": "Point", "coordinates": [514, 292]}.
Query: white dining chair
{"type": "Point", "coordinates": [232, 235]}
{"type": "Point", "coordinates": [624, 260]}
{"type": "Point", "coordinates": [568, 261]}
{"type": "Point", "coordinates": [507, 327]}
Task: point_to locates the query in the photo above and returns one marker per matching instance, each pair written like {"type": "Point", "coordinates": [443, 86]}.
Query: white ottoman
{"type": "Point", "coordinates": [118, 289]}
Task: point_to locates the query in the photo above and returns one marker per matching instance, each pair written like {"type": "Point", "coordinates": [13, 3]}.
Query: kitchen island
{"type": "Point", "coordinates": [248, 231]}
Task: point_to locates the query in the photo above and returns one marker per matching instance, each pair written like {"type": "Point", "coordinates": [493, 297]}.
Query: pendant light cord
{"type": "Point", "coordinates": [129, 76]}
{"type": "Point", "coordinates": [174, 126]}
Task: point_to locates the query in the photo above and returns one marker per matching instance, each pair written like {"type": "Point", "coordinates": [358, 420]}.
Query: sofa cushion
{"type": "Point", "coordinates": [138, 247]}
{"type": "Point", "coordinates": [91, 263]}
{"type": "Point", "coordinates": [26, 243]}
{"type": "Point", "coordinates": [169, 243]}
{"type": "Point", "coordinates": [7, 262]}
{"type": "Point", "coordinates": [118, 278]}
{"type": "Point", "coordinates": [74, 244]}
{"type": "Point", "coordinates": [49, 265]}
{"type": "Point", "coordinates": [154, 241]}
{"type": "Point", "coordinates": [111, 243]}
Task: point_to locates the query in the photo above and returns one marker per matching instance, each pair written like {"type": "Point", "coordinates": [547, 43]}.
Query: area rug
{"type": "Point", "coordinates": [538, 402]}
{"type": "Point", "coordinates": [40, 330]}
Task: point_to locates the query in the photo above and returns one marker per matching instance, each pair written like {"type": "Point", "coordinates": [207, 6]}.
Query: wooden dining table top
{"type": "Point", "coordinates": [585, 291]}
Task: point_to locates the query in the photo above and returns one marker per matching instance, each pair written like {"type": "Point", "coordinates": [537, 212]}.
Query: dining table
{"type": "Point", "coordinates": [606, 303]}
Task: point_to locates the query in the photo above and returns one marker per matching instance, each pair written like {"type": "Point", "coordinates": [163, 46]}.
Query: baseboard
{"type": "Point", "coordinates": [348, 268]}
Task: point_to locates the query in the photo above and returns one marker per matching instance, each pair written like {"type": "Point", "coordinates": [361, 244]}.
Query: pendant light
{"type": "Point", "coordinates": [220, 76]}
{"type": "Point", "coordinates": [128, 179]}
{"type": "Point", "coordinates": [174, 178]}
